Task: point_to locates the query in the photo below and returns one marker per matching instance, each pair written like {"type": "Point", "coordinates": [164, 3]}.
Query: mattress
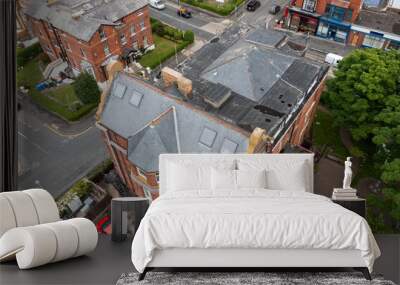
{"type": "Point", "coordinates": [250, 219]}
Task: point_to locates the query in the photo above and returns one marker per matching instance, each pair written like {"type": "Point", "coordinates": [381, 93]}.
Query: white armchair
{"type": "Point", "coordinates": [32, 233]}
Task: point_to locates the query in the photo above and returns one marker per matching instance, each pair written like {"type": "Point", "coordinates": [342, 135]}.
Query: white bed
{"type": "Point", "coordinates": [249, 227]}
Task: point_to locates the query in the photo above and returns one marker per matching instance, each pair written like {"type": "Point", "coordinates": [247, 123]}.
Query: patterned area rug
{"type": "Point", "coordinates": [242, 278]}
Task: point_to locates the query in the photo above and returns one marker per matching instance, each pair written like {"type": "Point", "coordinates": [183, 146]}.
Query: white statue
{"type": "Point", "coordinates": [347, 174]}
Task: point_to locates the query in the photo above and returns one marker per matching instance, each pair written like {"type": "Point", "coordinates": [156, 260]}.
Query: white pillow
{"type": "Point", "coordinates": [189, 175]}
{"type": "Point", "coordinates": [223, 179]}
{"type": "Point", "coordinates": [251, 178]}
{"type": "Point", "coordinates": [291, 180]}
{"type": "Point", "coordinates": [292, 175]}
{"type": "Point", "coordinates": [182, 178]}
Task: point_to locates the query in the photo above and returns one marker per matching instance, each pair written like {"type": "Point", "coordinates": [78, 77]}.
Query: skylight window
{"type": "Point", "coordinates": [136, 98]}
{"type": "Point", "coordinates": [228, 146]}
{"type": "Point", "coordinates": [119, 90]}
{"type": "Point", "coordinates": [208, 137]}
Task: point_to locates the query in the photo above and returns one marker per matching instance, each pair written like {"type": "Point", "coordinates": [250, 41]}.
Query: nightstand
{"type": "Point", "coordinates": [357, 205]}
{"type": "Point", "coordinates": [126, 214]}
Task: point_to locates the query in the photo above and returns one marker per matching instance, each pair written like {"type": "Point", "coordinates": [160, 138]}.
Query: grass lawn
{"type": "Point", "coordinates": [63, 96]}
{"type": "Point", "coordinates": [325, 133]}
{"type": "Point", "coordinates": [164, 49]}
{"type": "Point", "coordinates": [30, 74]}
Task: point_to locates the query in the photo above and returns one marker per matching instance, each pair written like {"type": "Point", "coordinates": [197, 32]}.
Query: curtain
{"type": "Point", "coordinates": [8, 102]}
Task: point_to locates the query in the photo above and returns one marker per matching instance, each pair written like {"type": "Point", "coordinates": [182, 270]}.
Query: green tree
{"type": "Point", "coordinates": [384, 214]}
{"type": "Point", "coordinates": [86, 88]}
{"type": "Point", "coordinates": [365, 95]}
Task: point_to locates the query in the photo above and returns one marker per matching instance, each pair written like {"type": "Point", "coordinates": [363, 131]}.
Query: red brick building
{"type": "Point", "coordinates": [245, 97]}
{"type": "Point", "coordinates": [376, 29]}
{"type": "Point", "coordinates": [87, 34]}
{"type": "Point", "coordinates": [326, 18]}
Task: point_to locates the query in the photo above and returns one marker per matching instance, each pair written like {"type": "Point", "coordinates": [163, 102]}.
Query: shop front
{"type": "Point", "coordinates": [333, 29]}
{"type": "Point", "coordinates": [301, 22]}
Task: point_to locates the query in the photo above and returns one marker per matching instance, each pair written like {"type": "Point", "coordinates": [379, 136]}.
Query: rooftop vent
{"type": "Point", "coordinates": [207, 137]}
{"type": "Point", "coordinates": [228, 146]}
{"type": "Point", "coordinates": [77, 14]}
{"type": "Point", "coordinates": [119, 90]}
{"type": "Point", "coordinates": [217, 95]}
{"type": "Point", "coordinates": [136, 98]}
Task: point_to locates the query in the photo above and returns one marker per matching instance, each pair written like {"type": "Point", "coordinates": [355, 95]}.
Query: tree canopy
{"type": "Point", "coordinates": [86, 88]}
{"type": "Point", "coordinates": [364, 97]}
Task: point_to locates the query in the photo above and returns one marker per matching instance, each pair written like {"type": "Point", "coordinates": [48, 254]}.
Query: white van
{"type": "Point", "coordinates": [158, 4]}
{"type": "Point", "coordinates": [333, 59]}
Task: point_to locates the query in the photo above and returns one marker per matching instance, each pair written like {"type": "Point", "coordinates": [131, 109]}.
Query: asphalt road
{"type": "Point", "coordinates": [49, 160]}
{"type": "Point", "coordinates": [261, 16]}
{"type": "Point", "coordinates": [197, 23]}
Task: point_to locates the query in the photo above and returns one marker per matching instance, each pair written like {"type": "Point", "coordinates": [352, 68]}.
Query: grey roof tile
{"type": "Point", "coordinates": [270, 39]}
{"type": "Point", "coordinates": [158, 137]}
{"type": "Point", "coordinates": [146, 140]}
{"type": "Point", "coordinates": [60, 14]}
{"type": "Point", "coordinates": [248, 70]}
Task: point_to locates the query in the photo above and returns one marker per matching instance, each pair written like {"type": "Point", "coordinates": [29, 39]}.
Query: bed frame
{"type": "Point", "coordinates": [245, 259]}
{"type": "Point", "coordinates": [242, 259]}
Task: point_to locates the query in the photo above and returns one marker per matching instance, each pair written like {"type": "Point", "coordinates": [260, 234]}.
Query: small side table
{"type": "Point", "coordinates": [357, 205]}
{"type": "Point", "coordinates": [126, 214]}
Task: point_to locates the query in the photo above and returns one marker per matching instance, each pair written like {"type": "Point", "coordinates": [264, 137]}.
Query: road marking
{"type": "Point", "coordinates": [34, 144]}
{"type": "Point", "coordinates": [182, 22]}
{"type": "Point", "coordinates": [54, 130]}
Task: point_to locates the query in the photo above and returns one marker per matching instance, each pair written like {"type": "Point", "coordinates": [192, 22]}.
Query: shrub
{"type": "Point", "coordinates": [82, 188]}
{"type": "Point", "coordinates": [86, 88]}
{"type": "Point", "coordinates": [188, 36]}
{"type": "Point", "coordinates": [159, 30]}
{"type": "Point", "coordinates": [24, 55]}
{"type": "Point", "coordinates": [356, 152]}
{"type": "Point", "coordinates": [96, 173]}
{"type": "Point", "coordinates": [44, 58]}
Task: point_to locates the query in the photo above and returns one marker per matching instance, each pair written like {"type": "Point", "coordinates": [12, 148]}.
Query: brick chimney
{"type": "Point", "coordinates": [258, 141]}
{"type": "Point", "coordinates": [51, 2]}
{"type": "Point", "coordinates": [112, 68]}
{"type": "Point", "coordinates": [185, 87]}
{"type": "Point", "coordinates": [170, 76]}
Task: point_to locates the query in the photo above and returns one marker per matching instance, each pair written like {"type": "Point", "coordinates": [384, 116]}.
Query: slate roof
{"type": "Point", "coordinates": [257, 75]}
{"type": "Point", "coordinates": [248, 70]}
{"type": "Point", "coordinates": [162, 124]}
{"type": "Point", "coordinates": [97, 13]}
{"type": "Point", "coordinates": [387, 21]}
{"type": "Point", "coordinates": [260, 87]}
{"type": "Point", "coordinates": [158, 137]}
{"type": "Point", "coordinates": [270, 39]}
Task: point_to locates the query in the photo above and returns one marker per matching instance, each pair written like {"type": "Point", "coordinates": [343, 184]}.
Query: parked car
{"type": "Point", "coordinates": [274, 9]}
{"type": "Point", "coordinates": [184, 12]}
{"type": "Point", "coordinates": [252, 5]}
{"type": "Point", "coordinates": [333, 59]}
{"type": "Point", "coordinates": [158, 4]}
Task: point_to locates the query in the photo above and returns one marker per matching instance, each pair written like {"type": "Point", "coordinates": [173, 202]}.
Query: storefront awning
{"type": "Point", "coordinates": [335, 22]}
{"type": "Point", "coordinates": [302, 12]}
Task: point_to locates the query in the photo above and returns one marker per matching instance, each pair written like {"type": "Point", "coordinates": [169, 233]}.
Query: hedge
{"type": "Point", "coordinates": [182, 39]}
{"type": "Point", "coordinates": [96, 173]}
{"type": "Point", "coordinates": [25, 55]}
{"type": "Point", "coordinates": [221, 9]}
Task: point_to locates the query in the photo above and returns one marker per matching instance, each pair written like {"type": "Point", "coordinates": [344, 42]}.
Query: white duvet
{"type": "Point", "coordinates": [252, 218]}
